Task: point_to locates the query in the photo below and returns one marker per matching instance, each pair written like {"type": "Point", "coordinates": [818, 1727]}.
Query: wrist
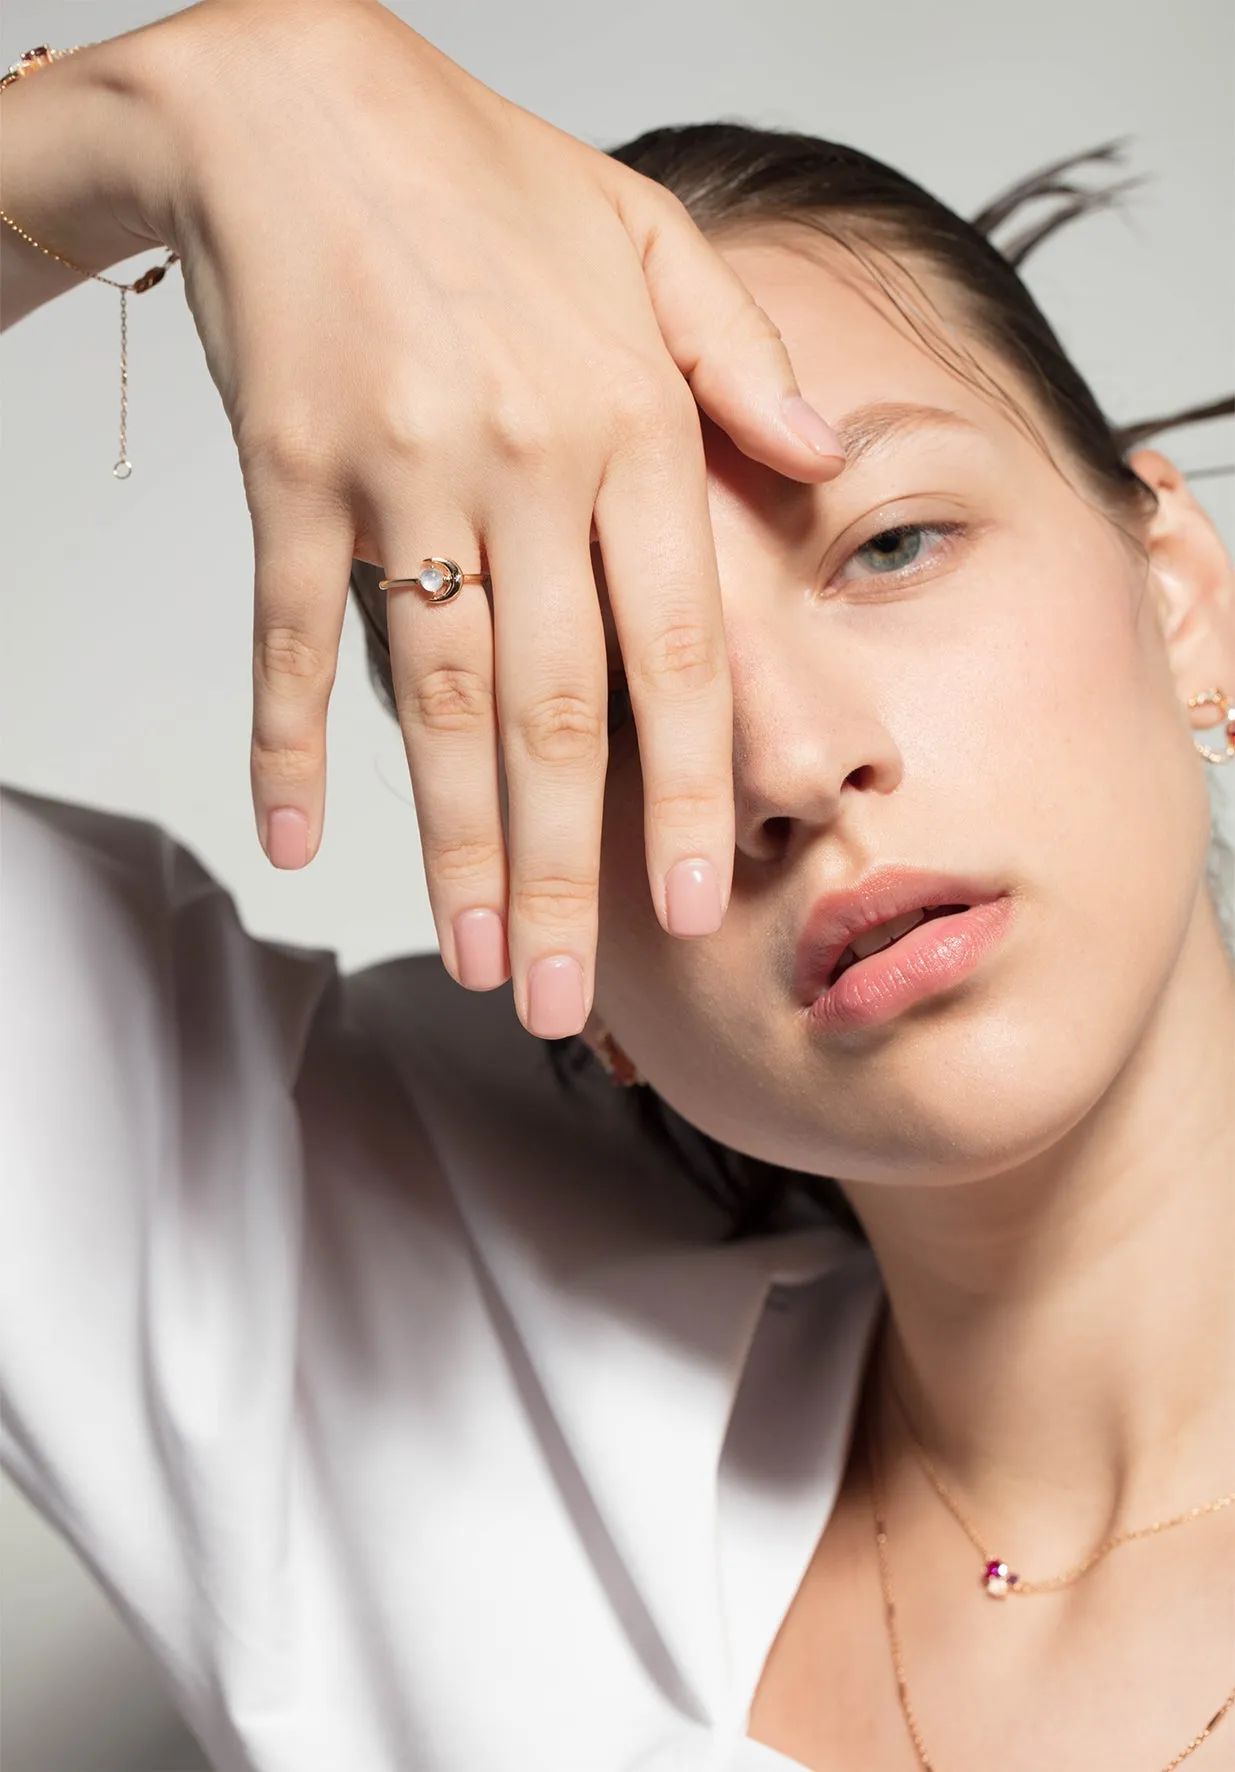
{"type": "Point", "coordinates": [78, 156]}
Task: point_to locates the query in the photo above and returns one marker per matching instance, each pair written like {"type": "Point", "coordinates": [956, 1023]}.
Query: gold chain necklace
{"type": "Point", "coordinates": [878, 1510]}
{"type": "Point", "coordinates": [997, 1578]}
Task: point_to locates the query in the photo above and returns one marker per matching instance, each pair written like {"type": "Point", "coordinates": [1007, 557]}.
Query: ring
{"type": "Point", "coordinates": [439, 579]}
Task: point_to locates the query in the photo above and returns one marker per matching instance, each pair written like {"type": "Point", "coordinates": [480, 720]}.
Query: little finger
{"type": "Point", "coordinates": [303, 550]}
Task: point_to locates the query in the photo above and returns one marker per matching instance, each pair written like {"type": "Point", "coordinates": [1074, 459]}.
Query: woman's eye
{"type": "Point", "coordinates": [896, 550]}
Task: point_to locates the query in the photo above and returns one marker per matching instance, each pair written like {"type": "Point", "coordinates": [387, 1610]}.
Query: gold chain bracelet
{"type": "Point", "coordinates": [29, 63]}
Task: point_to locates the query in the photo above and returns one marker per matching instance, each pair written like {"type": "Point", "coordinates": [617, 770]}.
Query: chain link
{"type": "Point", "coordinates": [1049, 1584]}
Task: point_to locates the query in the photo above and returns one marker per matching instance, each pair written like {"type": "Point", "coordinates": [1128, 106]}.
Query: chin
{"type": "Point", "coordinates": [953, 1097]}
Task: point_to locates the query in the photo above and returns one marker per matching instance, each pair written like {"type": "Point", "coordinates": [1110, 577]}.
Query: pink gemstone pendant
{"type": "Point", "coordinates": [28, 63]}
{"type": "Point", "coordinates": [998, 1579]}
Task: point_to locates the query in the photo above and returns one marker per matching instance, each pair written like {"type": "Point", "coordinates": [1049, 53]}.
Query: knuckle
{"type": "Point", "coordinates": [290, 456]}
{"type": "Point", "coordinates": [749, 325]}
{"type": "Point", "coordinates": [688, 805]}
{"type": "Point", "coordinates": [408, 430]}
{"type": "Point", "coordinates": [562, 729]}
{"type": "Point", "coordinates": [462, 861]}
{"type": "Point", "coordinates": [671, 209]}
{"type": "Point", "coordinates": [554, 900]}
{"type": "Point", "coordinates": [652, 205]}
{"type": "Point", "coordinates": [521, 426]}
{"type": "Point", "coordinates": [450, 700]}
{"type": "Point", "coordinates": [685, 656]}
{"type": "Point", "coordinates": [285, 654]}
{"type": "Point", "coordinates": [646, 399]}
{"type": "Point", "coordinates": [294, 764]}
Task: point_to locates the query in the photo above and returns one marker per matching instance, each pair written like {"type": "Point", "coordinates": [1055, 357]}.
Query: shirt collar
{"type": "Point", "coordinates": [635, 1325]}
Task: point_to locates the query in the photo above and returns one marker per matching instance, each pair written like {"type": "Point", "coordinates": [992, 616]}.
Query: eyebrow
{"type": "Point", "coordinates": [869, 428]}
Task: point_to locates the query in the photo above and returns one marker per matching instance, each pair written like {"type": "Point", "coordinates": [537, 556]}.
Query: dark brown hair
{"type": "Point", "coordinates": [732, 178]}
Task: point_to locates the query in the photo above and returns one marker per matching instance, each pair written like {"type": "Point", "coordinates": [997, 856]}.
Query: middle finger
{"type": "Point", "coordinates": [551, 688]}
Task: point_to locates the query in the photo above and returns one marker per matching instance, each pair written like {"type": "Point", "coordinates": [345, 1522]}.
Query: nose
{"type": "Point", "coordinates": [808, 736]}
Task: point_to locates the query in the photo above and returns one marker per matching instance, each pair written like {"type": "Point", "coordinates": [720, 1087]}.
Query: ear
{"type": "Point", "coordinates": [1194, 582]}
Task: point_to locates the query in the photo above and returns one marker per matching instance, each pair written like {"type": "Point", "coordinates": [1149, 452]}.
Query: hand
{"type": "Point", "coordinates": [442, 327]}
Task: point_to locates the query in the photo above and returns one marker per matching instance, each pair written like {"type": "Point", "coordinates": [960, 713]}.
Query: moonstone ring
{"type": "Point", "coordinates": [439, 579]}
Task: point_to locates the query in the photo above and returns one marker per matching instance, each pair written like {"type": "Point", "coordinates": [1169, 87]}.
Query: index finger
{"type": "Point", "coordinates": [655, 535]}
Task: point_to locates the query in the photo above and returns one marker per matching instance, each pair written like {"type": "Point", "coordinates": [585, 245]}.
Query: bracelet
{"type": "Point", "coordinates": [27, 64]}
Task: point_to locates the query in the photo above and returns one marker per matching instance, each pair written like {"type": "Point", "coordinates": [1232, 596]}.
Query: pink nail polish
{"type": "Point", "coordinates": [555, 997]}
{"type": "Point", "coordinates": [811, 426]}
{"type": "Point", "coordinates": [480, 950]}
{"type": "Point", "coordinates": [287, 838]}
{"type": "Point", "coordinates": [692, 898]}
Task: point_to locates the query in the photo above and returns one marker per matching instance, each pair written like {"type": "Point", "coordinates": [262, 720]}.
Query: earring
{"type": "Point", "coordinates": [614, 1061]}
{"type": "Point", "coordinates": [1217, 698]}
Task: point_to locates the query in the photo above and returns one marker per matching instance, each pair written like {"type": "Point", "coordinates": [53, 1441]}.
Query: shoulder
{"type": "Point", "coordinates": [110, 917]}
{"type": "Point", "coordinates": [488, 1093]}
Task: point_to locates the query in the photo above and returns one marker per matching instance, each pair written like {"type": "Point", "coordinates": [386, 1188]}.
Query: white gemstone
{"type": "Point", "coordinates": [431, 580]}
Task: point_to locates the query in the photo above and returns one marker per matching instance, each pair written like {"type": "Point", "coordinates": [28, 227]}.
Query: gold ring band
{"type": "Point", "coordinates": [439, 579]}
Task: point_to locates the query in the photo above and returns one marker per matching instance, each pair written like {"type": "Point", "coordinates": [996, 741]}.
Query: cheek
{"type": "Point", "coordinates": [1035, 692]}
{"type": "Point", "coordinates": [1075, 723]}
{"type": "Point", "coordinates": [1064, 744]}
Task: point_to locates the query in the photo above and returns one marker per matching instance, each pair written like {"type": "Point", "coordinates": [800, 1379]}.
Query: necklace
{"type": "Point", "coordinates": [889, 1604]}
{"type": "Point", "coordinates": [997, 1578]}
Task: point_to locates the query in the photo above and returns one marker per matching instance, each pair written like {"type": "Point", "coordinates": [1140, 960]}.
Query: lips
{"type": "Point", "coordinates": [884, 905]}
{"type": "Point", "coordinates": [884, 935]}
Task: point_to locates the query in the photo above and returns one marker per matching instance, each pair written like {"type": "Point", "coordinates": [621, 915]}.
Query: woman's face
{"type": "Point", "coordinates": [990, 697]}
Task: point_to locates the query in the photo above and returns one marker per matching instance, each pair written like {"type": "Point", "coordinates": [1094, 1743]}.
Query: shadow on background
{"type": "Point", "coordinates": [77, 1693]}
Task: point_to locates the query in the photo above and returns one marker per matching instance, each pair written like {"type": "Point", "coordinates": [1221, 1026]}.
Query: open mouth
{"type": "Point", "coordinates": [884, 934]}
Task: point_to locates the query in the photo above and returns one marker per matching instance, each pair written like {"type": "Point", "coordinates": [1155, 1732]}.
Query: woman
{"type": "Point", "coordinates": [411, 1406]}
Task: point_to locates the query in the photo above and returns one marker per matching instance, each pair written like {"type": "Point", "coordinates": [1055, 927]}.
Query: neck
{"type": "Point", "coordinates": [1062, 1334]}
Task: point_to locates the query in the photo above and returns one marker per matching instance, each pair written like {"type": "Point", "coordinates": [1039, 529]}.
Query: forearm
{"type": "Point", "coordinates": [80, 170]}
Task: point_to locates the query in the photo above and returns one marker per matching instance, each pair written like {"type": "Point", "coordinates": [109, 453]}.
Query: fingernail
{"type": "Point", "coordinates": [692, 898]}
{"type": "Point", "coordinates": [287, 838]}
{"type": "Point", "coordinates": [555, 997]}
{"type": "Point", "coordinates": [480, 950]}
{"type": "Point", "coordinates": [811, 426]}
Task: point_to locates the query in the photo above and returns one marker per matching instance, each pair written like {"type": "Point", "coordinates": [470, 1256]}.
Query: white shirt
{"type": "Point", "coordinates": [409, 1407]}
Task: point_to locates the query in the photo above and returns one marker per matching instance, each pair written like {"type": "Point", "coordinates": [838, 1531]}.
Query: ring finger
{"type": "Point", "coordinates": [441, 657]}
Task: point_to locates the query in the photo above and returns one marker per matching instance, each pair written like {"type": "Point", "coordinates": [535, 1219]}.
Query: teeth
{"type": "Point", "coordinates": [884, 934]}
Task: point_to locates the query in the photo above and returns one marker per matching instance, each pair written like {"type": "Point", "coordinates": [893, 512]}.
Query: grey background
{"type": "Point", "coordinates": [124, 670]}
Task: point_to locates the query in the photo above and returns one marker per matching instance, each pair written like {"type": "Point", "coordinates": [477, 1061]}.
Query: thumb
{"type": "Point", "coordinates": [727, 347]}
